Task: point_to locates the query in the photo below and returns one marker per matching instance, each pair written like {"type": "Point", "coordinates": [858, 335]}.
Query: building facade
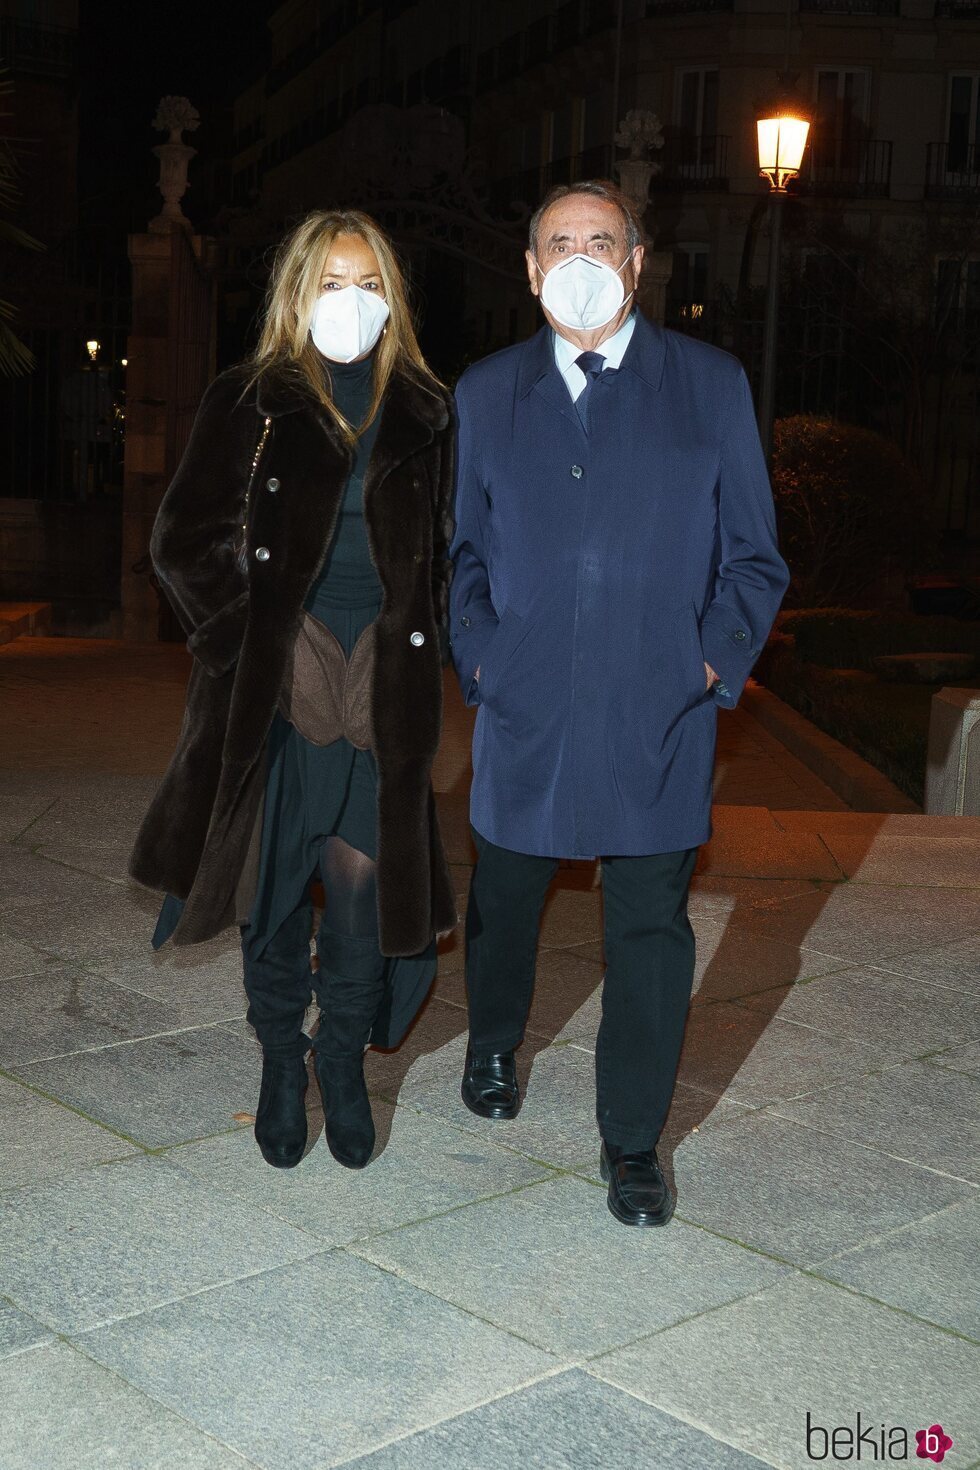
{"type": "Point", "coordinates": [450, 121]}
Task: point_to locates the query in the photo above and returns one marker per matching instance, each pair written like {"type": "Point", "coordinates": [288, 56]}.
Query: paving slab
{"type": "Point", "coordinates": [753, 1056]}
{"type": "Point", "coordinates": [898, 1017]}
{"type": "Point", "coordinates": [719, 896]}
{"type": "Point", "coordinates": [769, 853]}
{"type": "Point", "coordinates": [17, 958]}
{"type": "Point", "coordinates": [927, 1115]}
{"type": "Point", "coordinates": [159, 1091]}
{"type": "Point", "coordinates": [959, 1059]}
{"type": "Point", "coordinates": [422, 1167]}
{"type": "Point", "coordinates": [927, 1267]}
{"type": "Point", "coordinates": [568, 1422]}
{"type": "Point", "coordinates": [558, 1269]}
{"type": "Point", "coordinates": [359, 1358]}
{"type": "Point", "coordinates": [796, 1193]}
{"type": "Point", "coordinates": [955, 966]}
{"type": "Point", "coordinates": [40, 1139]}
{"type": "Point", "coordinates": [18, 1332]}
{"type": "Point", "coordinates": [920, 861]}
{"type": "Point", "coordinates": [67, 1009]}
{"type": "Point", "coordinates": [868, 923]}
{"type": "Point", "coordinates": [750, 1372]}
{"type": "Point", "coordinates": [199, 983]}
{"type": "Point", "coordinates": [125, 1237]}
{"type": "Point", "coordinates": [98, 1421]}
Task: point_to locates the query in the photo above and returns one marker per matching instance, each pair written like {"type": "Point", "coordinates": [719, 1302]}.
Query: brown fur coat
{"type": "Point", "coordinates": [242, 625]}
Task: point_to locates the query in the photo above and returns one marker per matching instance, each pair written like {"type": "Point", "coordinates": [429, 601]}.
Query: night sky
{"type": "Point", "coordinates": [130, 54]}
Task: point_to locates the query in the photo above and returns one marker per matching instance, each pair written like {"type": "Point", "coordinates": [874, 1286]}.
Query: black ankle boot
{"type": "Point", "coordinates": [347, 1122]}
{"type": "Point", "coordinates": [280, 1121]}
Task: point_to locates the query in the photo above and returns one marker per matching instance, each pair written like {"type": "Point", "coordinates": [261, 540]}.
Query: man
{"type": "Point", "coordinates": [616, 576]}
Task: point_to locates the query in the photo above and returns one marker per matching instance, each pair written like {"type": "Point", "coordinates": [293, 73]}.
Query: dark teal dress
{"type": "Point", "coordinates": [312, 791]}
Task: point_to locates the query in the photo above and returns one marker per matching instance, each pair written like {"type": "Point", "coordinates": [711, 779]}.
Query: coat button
{"type": "Point", "coordinates": [417, 639]}
{"type": "Point", "coordinates": [577, 471]}
{"type": "Point", "coordinates": [261, 553]}
{"type": "Point", "coordinates": [465, 622]}
{"type": "Point", "coordinates": [272, 484]}
{"type": "Point", "coordinates": [740, 634]}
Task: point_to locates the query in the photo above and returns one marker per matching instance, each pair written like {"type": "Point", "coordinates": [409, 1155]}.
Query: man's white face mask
{"type": "Point", "coordinates": [582, 293]}
{"type": "Point", "coordinates": [347, 323]}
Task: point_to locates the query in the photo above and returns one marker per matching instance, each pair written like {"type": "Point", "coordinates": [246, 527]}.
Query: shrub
{"type": "Point", "coordinates": [851, 510]}
{"type": "Point", "coordinates": [850, 638]}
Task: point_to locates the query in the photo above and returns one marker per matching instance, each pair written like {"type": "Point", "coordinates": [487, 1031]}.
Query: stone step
{"type": "Point", "coordinates": [30, 618]}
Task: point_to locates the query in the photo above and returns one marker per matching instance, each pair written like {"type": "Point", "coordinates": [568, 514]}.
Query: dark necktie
{"type": "Point", "coordinates": [592, 364]}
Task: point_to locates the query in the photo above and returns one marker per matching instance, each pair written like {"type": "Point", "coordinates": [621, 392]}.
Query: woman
{"type": "Point", "coordinates": [303, 543]}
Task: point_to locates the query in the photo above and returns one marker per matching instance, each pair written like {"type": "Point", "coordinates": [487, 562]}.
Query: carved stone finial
{"type": "Point", "coordinates": [175, 115]}
{"type": "Point", "coordinates": [639, 131]}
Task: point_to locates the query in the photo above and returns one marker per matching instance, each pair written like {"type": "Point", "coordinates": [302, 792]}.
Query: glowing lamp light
{"type": "Point", "coordinates": [782, 139]}
{"type": "Point", "coordinates": [92, 348]}
{"type": "Point", "coordinates": [124, 362]}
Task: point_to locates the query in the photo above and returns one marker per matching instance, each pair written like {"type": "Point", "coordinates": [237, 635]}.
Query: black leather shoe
{"type": "Point", "coordinates": [638, 1192]}
{"type": "Point", "coordinates": [347, 1122]}
{"type": "Point", "coordinates": [280, 1120]}
{"type": "Point", "coordinates": [490, 1085]}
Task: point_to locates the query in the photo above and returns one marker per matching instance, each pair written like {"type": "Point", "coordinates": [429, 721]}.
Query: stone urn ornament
{"type": "Point", "coordinates": [174, 116]}
{"type": "Point", "coordinates": [639, 131]}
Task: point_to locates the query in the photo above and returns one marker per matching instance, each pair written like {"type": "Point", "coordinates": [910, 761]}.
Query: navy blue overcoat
{"type": "Point", "coordinates": [595, 573]}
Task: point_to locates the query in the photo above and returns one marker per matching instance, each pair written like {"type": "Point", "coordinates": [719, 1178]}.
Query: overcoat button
{"type": "Point", "coordinates": [577, 471]}
{"type": "Point", "coordinates": [262, 553]}
{"type": "Point", "coordinates": [417, 639]}
{"type": "Point", "coordinates": [740, 634]}
{"type": "Point", "coordinates": [465, 622]}
{"type": "Point", "coordinates": [272, 484]}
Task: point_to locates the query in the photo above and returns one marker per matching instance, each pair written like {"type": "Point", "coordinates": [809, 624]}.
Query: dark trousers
{"type": "Point", "coordinates": [646, 991]}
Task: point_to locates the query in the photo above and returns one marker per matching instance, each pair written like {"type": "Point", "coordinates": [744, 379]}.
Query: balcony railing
{"type": "Point", "coordinates": [685, 7]}
{"type": "Point", "coordinates": [38, 49]}
{"type": "Point", "coordinates": [572, 22]}
{"type": "Point", "coordinates": [591, 163]}
{"type": "Point", "coordinates": [851, 7]}
{"type": "Point", "coordinates": [952, 171]}
{"type": "Point", "coordinates": [689, 162]}
{"type": "Point", "coordinates": [859, 168]}
{"type": "Point", "coordinates": [957, 10]}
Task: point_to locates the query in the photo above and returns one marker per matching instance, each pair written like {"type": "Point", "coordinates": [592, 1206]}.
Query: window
{"type": "Point", "coordinates": [688, 289]}
{"type": "Point", "coordinates": [957, 299]}
{"type": "Point", "coordinates": [697, 102]}
{"type": "Point", "coordinates": [840, 128]}
{"type": "Point", "coordinates": [963, 124]}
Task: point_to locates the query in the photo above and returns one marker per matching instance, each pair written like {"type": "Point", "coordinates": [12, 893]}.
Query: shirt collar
{"type": "Point", "coordinates": [612, 349]}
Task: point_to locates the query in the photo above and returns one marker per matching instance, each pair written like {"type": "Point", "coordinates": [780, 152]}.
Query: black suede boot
{"type": "Point", "coordinates": [348, 1007]}
{"type": "Point", "coordinates": [280, 1120]}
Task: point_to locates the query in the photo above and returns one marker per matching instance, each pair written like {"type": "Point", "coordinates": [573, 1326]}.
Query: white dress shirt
{"type": "Point", "coordinates": [612, 350]}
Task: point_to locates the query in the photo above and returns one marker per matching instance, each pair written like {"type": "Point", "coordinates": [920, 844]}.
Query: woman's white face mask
{"type": "Point", "coordinates": [582, 293]}
{"type": "Point", "coordinates": [347, 323]}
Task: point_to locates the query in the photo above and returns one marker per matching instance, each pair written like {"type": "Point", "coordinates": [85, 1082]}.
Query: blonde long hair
{"type": "Point", "coordinates": [285, 347]}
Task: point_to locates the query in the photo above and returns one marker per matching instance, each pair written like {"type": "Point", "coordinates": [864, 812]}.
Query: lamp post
{"type": "Point", "coordinates": [782, 135]}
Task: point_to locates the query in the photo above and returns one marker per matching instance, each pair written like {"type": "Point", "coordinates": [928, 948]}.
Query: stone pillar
{"type": "Point", "coordinates": [953, 761]}
{"type": "Point", "coordinates": [145, 467]}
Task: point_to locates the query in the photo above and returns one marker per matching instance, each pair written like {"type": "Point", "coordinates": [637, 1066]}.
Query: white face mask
{"type": "Point", "coordinates": [347, 323]}
{"type": "Point", "coordinates": [582, 293]}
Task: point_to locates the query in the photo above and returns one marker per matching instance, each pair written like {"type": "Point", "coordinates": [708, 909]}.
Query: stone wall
{"type": "Point", "coordinates": [67, 554]}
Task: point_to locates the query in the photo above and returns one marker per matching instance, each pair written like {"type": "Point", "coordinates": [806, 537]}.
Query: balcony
{"type": "Point", "coordinates": [656, 8]}
{"type": "Point", "coordinates": [846, 167]}
{"type": "Point", "coordinates": [572, 22]}
{"type": "Point", "coordinates": [692, 163]}
{"type": "Point", "coordinates": [38, 50]}
{"type": "Point", "coordinates": [952, 171]}
{"type": "Point", "coordinates": [957, 10]}
{"type": "Point", "coordinates": [591, 163]}
{"type": "Point", "coordinates": [850, 7]}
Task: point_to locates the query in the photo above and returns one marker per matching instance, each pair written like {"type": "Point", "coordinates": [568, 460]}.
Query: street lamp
{"type": "Point", "coordinates": [92, 348]}
{"type": "Point", "coordinates": [782, 134]}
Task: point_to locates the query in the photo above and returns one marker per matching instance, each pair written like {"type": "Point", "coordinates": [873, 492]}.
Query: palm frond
{"type": "Point", "coordinates": [16, 359]}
